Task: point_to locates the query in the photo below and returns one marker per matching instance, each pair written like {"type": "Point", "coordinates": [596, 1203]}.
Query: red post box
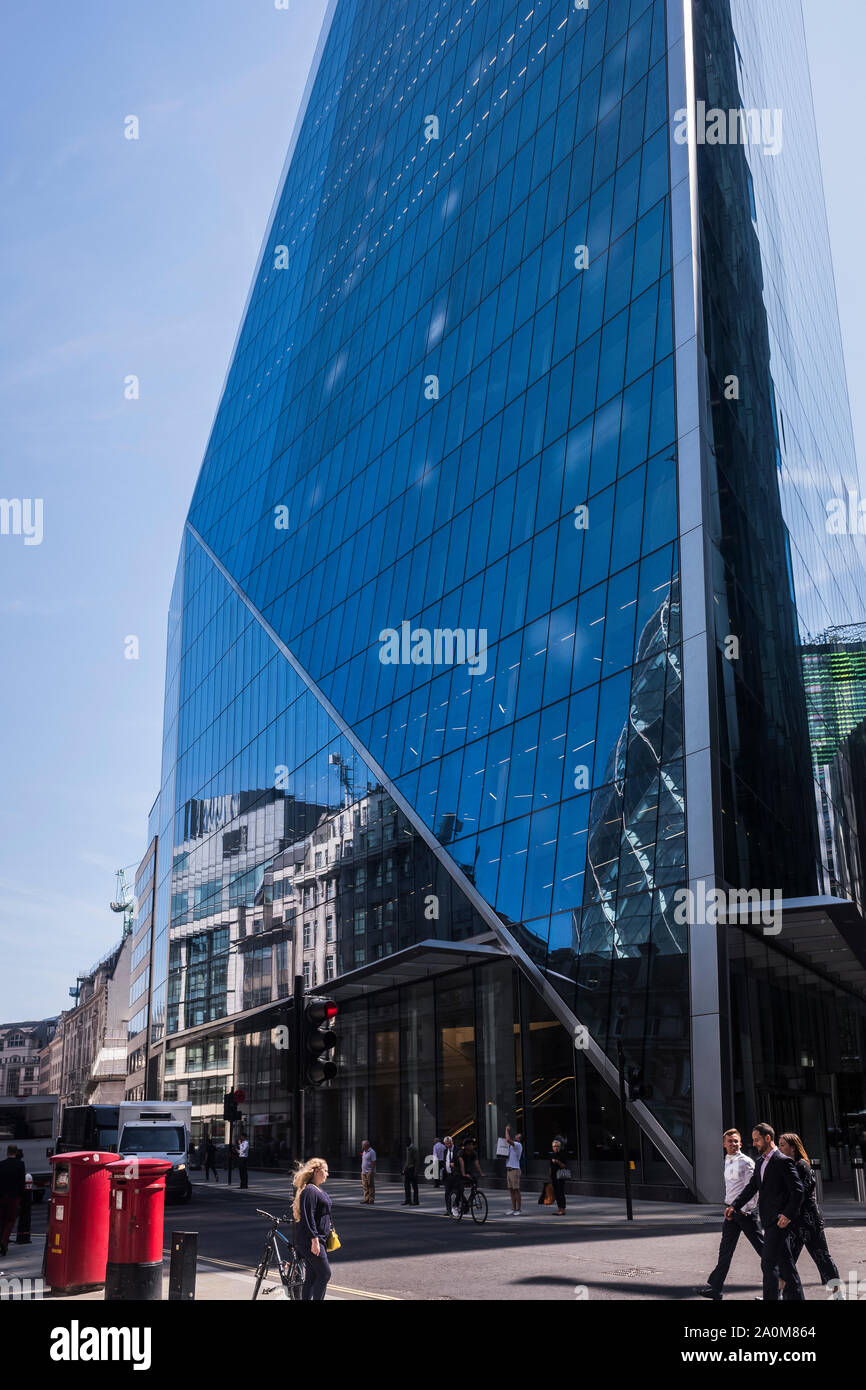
{"type": "Point", "coordinates": [135, 1228]}
{"type": "Point", "coordinates": [77, 1240]}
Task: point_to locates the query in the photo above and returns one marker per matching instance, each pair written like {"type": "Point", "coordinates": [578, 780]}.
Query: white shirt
{"type": "Point", "coordinates": [738, 1174]}
{"type": "Point", "coordinates": [450, 1158]}
{"type": "Point", "coordinates": [513, 1157]}
{"type": "Point", "coordinates": [368, 1158]}
{"type": "Point", "coordinates": [243, 1148]}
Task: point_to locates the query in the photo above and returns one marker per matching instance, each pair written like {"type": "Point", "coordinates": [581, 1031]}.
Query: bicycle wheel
{"type": "Point", "coordinates": [294, 1273]}
{"type": "Point", "coordinates": [262, 1269]}
{"type": "Point", "coordinates": [457, 1205]}
{"type": "Point", "coordinates": [479, 1207]}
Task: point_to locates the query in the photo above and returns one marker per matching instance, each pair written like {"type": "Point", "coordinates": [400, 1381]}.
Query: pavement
{"type": "Point", "coordinates": [396, 1253]}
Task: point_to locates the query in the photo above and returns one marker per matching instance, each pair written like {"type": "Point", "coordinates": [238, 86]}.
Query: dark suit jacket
{"type": "Point", "coordinates": [13, 1177]}
{"type": "Point", "coordinates": [779, 1194]}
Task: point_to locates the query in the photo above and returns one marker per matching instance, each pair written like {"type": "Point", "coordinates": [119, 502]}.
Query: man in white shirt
{"type": "Point", "coordinates": [452, 1174]}
{"type": "Point", "coordinates": [243, 1159]}
{"type": "Point", "coordinates": [368, 1173]}
{"type": "Point", "coordinates": [738, 1174]}
{"type": "Point", "coordinates": [439, 1155]}
{"type": "Point", "coordinates": [512, 1170]}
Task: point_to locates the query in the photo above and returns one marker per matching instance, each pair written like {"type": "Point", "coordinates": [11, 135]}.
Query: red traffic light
{"type": "Point", "coordinates": [319, 1011]}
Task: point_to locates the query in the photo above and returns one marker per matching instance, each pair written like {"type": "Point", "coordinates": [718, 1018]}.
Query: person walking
{"type": "Point", "coordinates": [243, 1159]}
{"type": "Point", "coordinates": [512, 1170]}
{"type": "Point", "coordinates": [808, 1225]}
{"type": "Point", "coordinates": [22, 1235]}
{"type": "Point", "coordinates": [210, 1161]}
{"type": "Point", "coordinates": [410, 1176]}
{"type": "Point", "coordinates": [13, 1186]}
{"type": "Point", "coordinates": [780, 1197]}
{"type": "Point", "coordinates": [557, 1176]}
{"type": "Point", "coordinates": [452, 1174]}
{"type": "Point", "coordinates": [312, 1212]}
{"type": "Point", "coordinates": [368, 1173]}
{"type": "Point", "coordinates": [439, 1155]}
{"type": "Point", "coordinates": [738, 1173]}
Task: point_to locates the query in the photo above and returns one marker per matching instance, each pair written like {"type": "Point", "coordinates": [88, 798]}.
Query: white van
{"type": "Point", "coordinates": [158, 1129]}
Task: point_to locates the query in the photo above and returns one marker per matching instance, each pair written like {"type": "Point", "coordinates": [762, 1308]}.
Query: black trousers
{"type": "Point", "coordinates": [453, 1183]}
{"type": "Point", "coordinates": [776, 1264]}
{"type": "Point", "coordinates": [210, 1168]}
{"type": "Point", "coordinates": [742, 1223]}
{"type": "Point", "coordinates": [318, 1274]}
{"type": "Point", "coordinates": [814, 1238]}
{"type": "Point", "coordinates": [242, 1169]}
{"type": "Point", "coordinates": [410, 1184]}
{"type": "Point", "coordinates": [23, 1235]}
{"type": "Point", "coordinates": [558, 1192]}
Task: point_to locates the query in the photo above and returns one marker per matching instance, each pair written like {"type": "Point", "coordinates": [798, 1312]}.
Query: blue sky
{"type": "Point", "coordinates": [128, 257]}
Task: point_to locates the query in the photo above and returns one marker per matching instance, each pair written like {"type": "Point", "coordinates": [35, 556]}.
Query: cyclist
{"type": "Point", "coordinates": [468, 1165]}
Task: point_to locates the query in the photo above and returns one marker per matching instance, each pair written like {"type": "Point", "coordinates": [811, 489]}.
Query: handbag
{"type": "Point", "coordinates": [549, 1195]}
{"type": "Point", "coordinates": [333, 1242]}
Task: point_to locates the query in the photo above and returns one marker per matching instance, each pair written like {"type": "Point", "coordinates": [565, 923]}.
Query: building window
{"type": "Point", "coordinates": [306, 974]}
{"type": "Point", "coordinates": [234, 841]}
{"type": "Point", "coordinates": [308, 937]}
{"type": "Point", "coordinates": [330, 968]}
{"type": "Point", "coordinates": [329, 929]}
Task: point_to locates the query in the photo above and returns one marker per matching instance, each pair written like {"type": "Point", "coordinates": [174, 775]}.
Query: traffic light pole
{"type": "Point", "coordinates": [298, 1138]}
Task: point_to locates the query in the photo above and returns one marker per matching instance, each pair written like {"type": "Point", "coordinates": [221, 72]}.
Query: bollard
{"type": "Point", "coordinates": [859, 1180]}
{"type": "Point", "coordinates": [181, 1275]}
{"type": "Point", "coordinates": [134, 1269]}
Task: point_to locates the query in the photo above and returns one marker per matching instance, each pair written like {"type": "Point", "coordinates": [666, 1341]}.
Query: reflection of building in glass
{"type": "Point", "coordinates": [834, 673]}
{"type": "Point", "coordinates": [834, 670]}
{"type": "Point", "coordinates": [439, 417]}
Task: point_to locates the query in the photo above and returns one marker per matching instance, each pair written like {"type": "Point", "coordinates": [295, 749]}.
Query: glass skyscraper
{"type": "Point", "coordinates": [485, 637]}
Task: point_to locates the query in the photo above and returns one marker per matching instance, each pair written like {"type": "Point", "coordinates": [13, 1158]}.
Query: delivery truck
{"type": "Point", "coordinates": [158, 1129]}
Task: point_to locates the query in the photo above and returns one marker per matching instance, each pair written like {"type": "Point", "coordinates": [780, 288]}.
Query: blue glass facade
{"type": "Point", "coordinates": [425, 666]}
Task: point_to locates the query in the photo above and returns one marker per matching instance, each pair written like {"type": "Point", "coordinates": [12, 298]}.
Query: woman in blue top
{"type": "Point", "coordinates": [312, 1212]}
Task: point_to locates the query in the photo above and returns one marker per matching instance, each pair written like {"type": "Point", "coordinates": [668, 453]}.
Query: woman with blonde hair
{"type": "Point", "coordinates": [312, 1212]}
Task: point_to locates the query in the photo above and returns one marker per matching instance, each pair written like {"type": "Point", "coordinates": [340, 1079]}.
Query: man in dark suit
{"type": "Point", "coordinates": [13, 1185]}
{"type": "Point", "coordinates": [780, 1196]}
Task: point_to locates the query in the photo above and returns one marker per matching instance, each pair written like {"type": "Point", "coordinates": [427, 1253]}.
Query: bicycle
{"type": "Point", "coordinates": [291, 1266]}
{"type": "Point", "coordinates": [473, 1200]}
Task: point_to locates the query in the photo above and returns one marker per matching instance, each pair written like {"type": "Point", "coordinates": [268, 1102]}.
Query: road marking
{"type": "Point", "coordinates": [337, 1288]}
{"type": "Point", "coordinates": [362, 1293]}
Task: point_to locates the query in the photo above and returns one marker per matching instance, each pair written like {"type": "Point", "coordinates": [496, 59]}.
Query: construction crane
{"type": "Point", "coordinates": [124, 900]}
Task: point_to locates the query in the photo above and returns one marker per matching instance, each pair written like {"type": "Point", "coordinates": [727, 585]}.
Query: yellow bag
{"type": "Point", "coordinates": [333, 1242]}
